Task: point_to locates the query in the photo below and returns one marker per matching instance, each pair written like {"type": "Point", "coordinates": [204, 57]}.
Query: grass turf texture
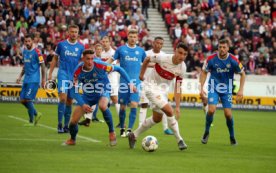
{"type": "Point", "coordinates": [38, 149]}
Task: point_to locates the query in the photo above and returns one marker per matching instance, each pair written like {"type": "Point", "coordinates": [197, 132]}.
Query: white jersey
{"type": "Point", "coordinates": [164, 72]}
{"type": "Point", "coordinates": [151, 53]}
{"type": "Point", "coordinates": [109, 54]}
{"type": "Point", "coordinates": [113, 76]}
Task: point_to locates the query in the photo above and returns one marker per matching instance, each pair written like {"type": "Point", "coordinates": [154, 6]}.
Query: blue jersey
{"type": "Point", "coordinates": [69, 57]}
{"type": "Point", "coordinates": [222, 72]}
{"type": "Point", "coordinates": [130, 60]}
{"type": "Point", "coordinates": [95, 83]}
{"type": "Point", "coordinates": [32, 60]}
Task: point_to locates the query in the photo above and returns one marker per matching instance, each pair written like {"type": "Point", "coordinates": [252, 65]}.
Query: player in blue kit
{"type": "Point", "coordinates": [33, 60]}
{"type": "Point", "coordinates": [68, 53]}
{"type": "Point", "coordinates": [222, 66]}
{"type": "Point", "coordinates": [130, 57]}
{"type": "Point", "coordinates": [92, 74]}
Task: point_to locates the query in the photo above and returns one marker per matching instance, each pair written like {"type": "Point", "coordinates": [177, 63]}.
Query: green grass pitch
{"type": "Point", "coordinates": [38, 149]}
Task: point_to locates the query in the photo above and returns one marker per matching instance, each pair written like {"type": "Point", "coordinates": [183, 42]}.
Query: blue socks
{"type": "Point", "coordinates": [61, 111]}
{"type": "Point", "coordinates": [122, 116]}
{"type": "Point", "coordinates": [132, 117]}
{"type": "Point", "coordinates": [209, 120]}
{"type": "Point", "coordinates": [67, 115]}
{"type": "Point", "coordinates": [95, 111]}
{"type": "Point", "coordinates": [73, 130]}
{"type": "Point", "coordinates": [31, 110]}
{"type": "Point", "coordinates": [108, 119]}
{"type": "Point", "coordinates": [230, 125]}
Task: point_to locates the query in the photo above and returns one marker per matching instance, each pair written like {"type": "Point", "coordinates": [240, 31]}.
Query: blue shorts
{"type": "Point", "coordinates": [29, 91]}
{"type": "Point", "coordinates": [127, 97]}
{"type": "Point", "coordinates": [94, 99]}
{"type": "Point", "coordinates": [65, 88]}
{"type": "Point", "coordinates": [225, 98]}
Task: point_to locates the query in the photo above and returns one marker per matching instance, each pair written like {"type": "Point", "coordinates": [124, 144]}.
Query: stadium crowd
{"type": "Point", "coordinates": [250, 26]}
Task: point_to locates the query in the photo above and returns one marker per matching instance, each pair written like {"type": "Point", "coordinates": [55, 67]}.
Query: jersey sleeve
{"type": "Point", "coordinates": [238, 67]}
{"type": "Point", "coordinates": [103, 65]}
{"type": "Point", "coordinates": [116, 54]}
{"type": "Point", "coordinates": [183, 71]}
{"type": "Point", "coordinates": [207, 66]}
{"type": "Point", "coordinates": [39, 56]}
{"type": "Point", "coordinates": [58, 49]}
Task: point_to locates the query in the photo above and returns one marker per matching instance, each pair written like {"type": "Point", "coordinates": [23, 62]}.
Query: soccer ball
{"type": "Point", "coordinates": [150, 143]}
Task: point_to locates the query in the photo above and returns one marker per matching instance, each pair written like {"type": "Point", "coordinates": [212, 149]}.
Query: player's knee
{"type": "Point", "coordinates": [157, 119]}
{"type": "Point", "coordinates": [211, 111]}
{"type": "Point", "coordinates": [69, 102]}
{"type": "Point", "coordinates": [103, 107]}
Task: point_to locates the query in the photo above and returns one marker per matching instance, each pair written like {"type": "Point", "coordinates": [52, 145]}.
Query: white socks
{"type": "Point", "coordinates": [164, 122]}
{"type": "Point", "coordinates": [173, 124]}
{"type": "Point", "coordinates": [117, 106]}
{"type": "Point", "coordinates": [148, 123]}
{"type": "Point", "coordinates": [142, 115]}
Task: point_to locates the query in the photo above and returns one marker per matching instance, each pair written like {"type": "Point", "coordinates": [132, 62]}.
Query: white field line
{"type": "Point", "coordinates": [51, 128]}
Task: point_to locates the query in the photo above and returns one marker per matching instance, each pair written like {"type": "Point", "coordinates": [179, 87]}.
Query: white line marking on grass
{"type": "Point", "coordinates": [26, 139]}
{"type": "Point", "coordinates": [51, 128]}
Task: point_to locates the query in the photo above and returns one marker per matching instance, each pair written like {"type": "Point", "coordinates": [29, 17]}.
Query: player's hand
{"type": "Point", "coordinates": [141, 78]}
{"type": "Point", "coordinates": [177, 113]}
{"type": "Point", "coordinates": [133, 88]}
{"type": "Point", "coordinates": [86, 108]}
{"type": "Point", "coordinates": [239, 96]}
{"type": "Point", "coordinates": [18, 80]}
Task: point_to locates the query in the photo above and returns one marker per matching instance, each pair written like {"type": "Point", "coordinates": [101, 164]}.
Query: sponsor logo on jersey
{"type": "Point", "coordinates": [128, 58]}
{"type": "Point", "coordinates": [68, 53]}
{"type": "Point", "coordinates": [222, 70]}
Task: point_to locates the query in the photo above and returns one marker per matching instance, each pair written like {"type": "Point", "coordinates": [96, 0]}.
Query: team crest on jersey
{"type": "Point", "coordinates": [125, 51]}
{"type": "Point", "coordinates": [94, 74]}
{"type": "Point", "coordinates": [137, 52]}
{"type": "Point", "coordinates": [76, 49]}
{"type": "Point", "coordinates": [228, 65]}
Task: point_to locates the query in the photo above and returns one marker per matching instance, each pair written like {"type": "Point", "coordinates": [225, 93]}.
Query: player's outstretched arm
{"type": "Point", "coordinates": [43, 74]}
{"type": "Point", "coordinates": [177, 96]}
{"type": "Point", "coordinates": [202, 79]}
{"type": "Point", "coordinates": [52, 66]}
{"type": "Point", "coordinates": [20, 75]}
{"type": "Point", "coordinates": [125, 76]}
{"type": "Point", "coordinates": [144, 68]}
{"type": "Point", "coordinates": [240, 92]}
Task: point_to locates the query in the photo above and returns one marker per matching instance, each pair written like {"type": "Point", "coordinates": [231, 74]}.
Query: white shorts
{"type": "Point", "coordinates": [114, 82]}
{"type": "Point", "coordinates": [157, 98]}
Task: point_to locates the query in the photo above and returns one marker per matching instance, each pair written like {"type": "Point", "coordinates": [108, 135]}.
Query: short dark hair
{"type": "Point", "coordinates": [158, 38]}
{"type": "Point", "coordinates": [224, 41]}
{"type": "Point", "coordinates": [183, 46]}
{"type": "Point", "coordinates": [29, 36]}
{"type": "Point", "coordinates": [87, 51]}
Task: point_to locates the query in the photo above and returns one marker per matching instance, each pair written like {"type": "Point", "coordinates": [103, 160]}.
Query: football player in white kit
{"type": "Point", "coordinates": [166, 69]}
{"type": "Point", "coordinates": [144, 102]}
